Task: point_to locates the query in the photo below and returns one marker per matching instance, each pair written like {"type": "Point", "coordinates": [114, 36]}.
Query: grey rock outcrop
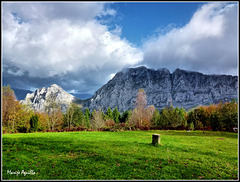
{"type": "Point", "coordinates": [182, 88]}
{"type": "Point", "coordinates": [38, 100]}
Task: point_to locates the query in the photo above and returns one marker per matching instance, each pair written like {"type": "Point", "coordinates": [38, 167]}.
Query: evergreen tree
{"type": "Point", "coordinates": [116, 115]}
{"type": "Point", "coordinates": [87, 118]}
{"type": "Point", "coordinates": [109, 114]}
{"type": "Point", "coordinates": [156, 119]}
{"type": "Point", "coordinates": [34, 123]}
{"type": "Point", "coordinates": [169, 117]}
{"type": "Point", "coordinates": [78, 117]}
{"type": "Point", "coordinates": [125, 116]}
{"type": "Point", "coordinates": [181, 116]}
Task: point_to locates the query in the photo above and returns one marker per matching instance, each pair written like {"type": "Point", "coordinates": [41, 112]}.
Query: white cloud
{"type": "Point", "coordinates": [36, 12]}
{"type": "Point", "coordinates": [208, 43]}
{"type": "Point", "coordinates": [47, 40]}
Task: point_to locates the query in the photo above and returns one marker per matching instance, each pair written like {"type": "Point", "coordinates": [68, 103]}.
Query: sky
{"type": "Point", "coordinates": [81, 45]}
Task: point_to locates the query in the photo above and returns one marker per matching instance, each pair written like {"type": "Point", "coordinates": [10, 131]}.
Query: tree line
{"type": "Point", "coordinates": [17, 117]}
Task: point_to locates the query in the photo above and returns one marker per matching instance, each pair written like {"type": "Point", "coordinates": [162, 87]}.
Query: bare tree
{"type": "Point", "coordinates": [97, 120]}
{"type": "Point", "coordinates": [70, 112]}
{"type": "Point", "coordinates": [141, 115]}
{"type": "Point", "coordinates": [53, 109]}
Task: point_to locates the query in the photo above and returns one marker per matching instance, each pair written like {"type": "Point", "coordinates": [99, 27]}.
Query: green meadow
{"type": "Point", "coordinates": [126, 155]}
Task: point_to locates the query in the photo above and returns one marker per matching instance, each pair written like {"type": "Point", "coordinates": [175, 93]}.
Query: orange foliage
{"type": "Point", "coordinates": [109, 122]}
{"type": "Point", "coordinates": [42, 121]}
{"type": "Point", "coordinates": [142, 115]}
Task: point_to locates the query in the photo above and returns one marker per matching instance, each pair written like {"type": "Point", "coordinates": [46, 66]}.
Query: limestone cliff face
{"type": "Point", "coordinates": [38, 99]}
{"type": "Point", "coordinates": [190, 89]}
{"type": "Point", "coordinates": [181, 88]}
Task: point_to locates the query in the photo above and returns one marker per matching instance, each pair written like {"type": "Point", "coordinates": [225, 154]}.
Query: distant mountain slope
{"type": "Point", "coordinates": [182, 88]}
{"type": "Point", "coordinates": [20, 93]}
{"type": "Point", "coordinates": [38, 99]}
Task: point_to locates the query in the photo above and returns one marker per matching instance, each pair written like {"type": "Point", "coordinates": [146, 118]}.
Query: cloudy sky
{"type": "Point", "coordinates": [80, 46]}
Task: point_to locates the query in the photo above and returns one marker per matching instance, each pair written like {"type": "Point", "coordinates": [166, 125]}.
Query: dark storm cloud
{"type": "Point", "coordinates": [70, 82]}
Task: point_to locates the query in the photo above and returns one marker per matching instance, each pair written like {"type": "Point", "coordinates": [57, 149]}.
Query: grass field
{"type": "Point", "coordinates": [120, 155]}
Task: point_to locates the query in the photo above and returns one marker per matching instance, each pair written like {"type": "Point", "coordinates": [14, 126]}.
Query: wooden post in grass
{"type": "Point", "coordinates": [155, 139]}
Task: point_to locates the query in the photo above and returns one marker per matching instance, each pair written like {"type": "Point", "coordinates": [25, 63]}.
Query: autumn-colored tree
{"type": "Point", "coordinates": [24, 114]}
{"type": "Point", "coordinates": [201, 116]}
{"type": "Point", "coordinates": [97, 120]}
{"type": "Point", "coordinates": [219, 117]}
{"type": "Point", "coordinates": [147, 116]}
{"type": "Point", "coordinates": [149, 112]}
{"type": "Point", "coordinates": [225, 117]}
{"type": "Point", "coordinates": [10, 107]}
{"type": "Point", "coordinates": [140, 105]}
{"type": "Point", "coordinates": [43, 120]}
{"type": "Point", "coordinates": [8, 103]}
{"type": "Point", "coordinates": [57, 117]}
{"type": "Point", "coordinates": [141, 115]}
{"type": "Point", "coordinates": [15, 116]}
{"type": "Point", "coordinates": [53, 109]}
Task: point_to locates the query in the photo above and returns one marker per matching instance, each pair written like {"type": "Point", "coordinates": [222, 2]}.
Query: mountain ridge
{"type": "Point", "coordinates": [182, 88]}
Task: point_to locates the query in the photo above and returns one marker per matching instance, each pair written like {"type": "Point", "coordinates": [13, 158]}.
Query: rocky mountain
{"type": "Point", "coordinates": [182, 88]}
{"type": "Point", "coordinates": [38, 99]}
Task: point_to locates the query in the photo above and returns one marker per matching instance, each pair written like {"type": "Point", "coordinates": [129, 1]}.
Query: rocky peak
{"type": "Point", "coordinates": [55, 87]}
{"type": "Point", "coordinates": [40, 98]}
